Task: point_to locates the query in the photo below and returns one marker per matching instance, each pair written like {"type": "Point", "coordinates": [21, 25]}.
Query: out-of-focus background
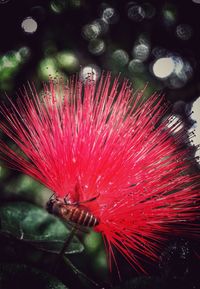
{"type": "Point", "coordinates": [154, 42]}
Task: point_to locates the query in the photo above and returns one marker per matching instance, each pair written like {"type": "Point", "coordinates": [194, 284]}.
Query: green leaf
{"type": "Point", "coordinates": [23, 277]}
{"type": "Point", "coordinates": [33, 224]}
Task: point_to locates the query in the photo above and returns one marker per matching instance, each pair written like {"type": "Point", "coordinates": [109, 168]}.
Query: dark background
{"type": "Point", "coordinates": [61, 25]}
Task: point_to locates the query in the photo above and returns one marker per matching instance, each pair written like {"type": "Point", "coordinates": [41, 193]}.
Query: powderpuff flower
{"type": "Point", "coordinates": [100, 145]}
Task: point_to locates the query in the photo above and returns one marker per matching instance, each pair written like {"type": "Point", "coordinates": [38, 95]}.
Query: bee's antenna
{"type": "Point", "coordinates": [52, 196]}
{"type": "Point", "coordinates": [87, 201]}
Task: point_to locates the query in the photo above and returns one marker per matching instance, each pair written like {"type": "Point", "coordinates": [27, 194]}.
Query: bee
{"type": "Point", "coordinates": [72, 212]}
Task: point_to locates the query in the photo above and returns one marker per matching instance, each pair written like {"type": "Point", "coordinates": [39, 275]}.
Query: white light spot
{"type": "Point", "coordinates": [90, 73]}
{"type": "Point", "coordinates": [141, 51]}
{"type": "Point", "coordinates": [195, 139]}
{"type": "Point", "coordinates": [109, 15]}
{"type": "Point", "coordinates": [29, 25]}
{"type": "Point", "coordinates": [163, 67]}
{"type": "Point", "coordinates": [195, 109]}
{"type": "Point", "coordinates": [197, 155]}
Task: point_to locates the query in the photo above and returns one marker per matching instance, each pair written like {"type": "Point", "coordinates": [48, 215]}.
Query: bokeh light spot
{"type": "Point", "coordinates": [179, 64]}
{"type": "Point", "coordinates": [169, 15]}
{"type": "Point", "coordinates": [58, 6]}
{"type": "Point", "coordinates": [11, 59]}
{"type": "Point", "coordinates": [183, 71]}
{"type": "Point", "coordinates": [173, 70]}
{"type": "Point", "coordinates": [197, 155]}
{"type": "Point", "coordinates": [120, 57]}
{"type": "Point", "coordinates": [136, 66]}
{"type": "Point", "coordinates": [67, 60]}
{"type": "Point", "coordinates": [29, 25]}
{"type": "Point", "coordinates": [163, 67]}
{"type": "Point", "coordinates": [96, 46]}
{"type": "Point", "coordinates": [91, 31]}
{"type": "Point", "coordinates": [109, 15]}
{"type": "Point", "coordinates": [24, 52]}
{"type": "Point", "coordinates": [195, 130]}
{"type": "Point", "coordinates": [184, 31]}
{"type": "Point", "coordinates": [195, 112]}
{"type": "Point", "coordinates": [136, 12]}
{"type": "Point", "coordinates": [141, 51]}
{"type": "Point", "coordinates": [90, 72]}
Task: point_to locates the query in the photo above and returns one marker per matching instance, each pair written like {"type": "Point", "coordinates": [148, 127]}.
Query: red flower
{"type": "Point", "coordinates": [86, 141]}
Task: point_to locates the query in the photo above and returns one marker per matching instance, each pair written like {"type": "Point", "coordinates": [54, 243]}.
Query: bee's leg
{"type": "Point", "coordinates": [65, 200]}
{"type": "Point", "coordinates": [65, 246]}
{"type": "Point", "coordinates": [82, 275]}
{"type": "Point", "coordinates": [68, 241]}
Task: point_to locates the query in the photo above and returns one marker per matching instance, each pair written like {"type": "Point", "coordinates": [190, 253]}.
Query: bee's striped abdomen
{"type": "Point", "coordinates": [79, 215]}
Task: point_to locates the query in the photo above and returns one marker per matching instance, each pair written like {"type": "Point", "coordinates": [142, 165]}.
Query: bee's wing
{"type": "Point", "coordinates": [80, 228]}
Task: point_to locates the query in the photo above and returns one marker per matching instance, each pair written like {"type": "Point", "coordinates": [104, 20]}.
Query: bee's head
{"type": "Point", "coordinates": [49, 205]}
